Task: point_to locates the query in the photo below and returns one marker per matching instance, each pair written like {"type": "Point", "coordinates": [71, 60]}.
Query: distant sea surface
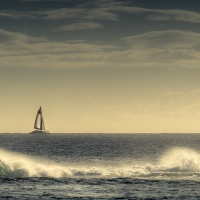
{"type": "Point", "coordinates": [100, 166]}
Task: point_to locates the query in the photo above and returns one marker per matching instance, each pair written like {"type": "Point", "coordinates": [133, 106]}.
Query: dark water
{"type": "Point", "coordinates": [100, 166]}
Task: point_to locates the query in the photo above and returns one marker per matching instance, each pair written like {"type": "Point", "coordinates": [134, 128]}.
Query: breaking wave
{"type": "Point", "coordinates": [177, 163]}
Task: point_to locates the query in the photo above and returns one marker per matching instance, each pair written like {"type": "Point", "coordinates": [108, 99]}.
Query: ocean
{"type": "Point", "coordinates": [100, 166]}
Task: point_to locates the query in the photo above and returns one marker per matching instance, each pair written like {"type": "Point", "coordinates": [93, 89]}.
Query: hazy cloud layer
{"type": "Point", "coordinates": [175, 15]}
{"type": "Point", "coordinates": [165, 39]}
{"type": "Point", "coordinates": [7, 36]}
{"type": "Point", "coordinates": [153, 49]}
{"type": "Point", "coordinates": [172, 112]}
{"type": "Point", "coordinates": [16, 14]}
{"type": "Point", "coordinates": [180, 101]}
{"type": "Point", "coordinates": [104, 10]}
{"type": "Point", "coordinates": [79, 26]}
{"type": "Point", "coordinates": [170, 105]}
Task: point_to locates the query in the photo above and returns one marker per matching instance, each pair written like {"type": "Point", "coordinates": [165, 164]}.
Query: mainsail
{"type": "Point", "coordinates": [39, 121]}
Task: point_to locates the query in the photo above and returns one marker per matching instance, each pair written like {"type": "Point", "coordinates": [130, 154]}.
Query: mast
{"type": "Point", "coordinates": [40, 118]}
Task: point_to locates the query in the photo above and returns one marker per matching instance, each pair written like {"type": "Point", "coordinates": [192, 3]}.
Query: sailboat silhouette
{"type": "Point", "coordinates": [39, 123]}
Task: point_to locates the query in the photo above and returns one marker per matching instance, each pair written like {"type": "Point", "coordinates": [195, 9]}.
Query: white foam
{"type": "Point", "coordinates": [175, 163]}
{"type": "Point", "coordinates": [181, 160]}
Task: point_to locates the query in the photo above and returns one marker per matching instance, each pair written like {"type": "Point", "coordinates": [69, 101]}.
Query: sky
{"type": "Point", "coordinates": [100, 66]}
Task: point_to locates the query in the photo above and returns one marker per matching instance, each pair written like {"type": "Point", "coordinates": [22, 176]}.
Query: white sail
{"type": "Point", "coordinates": [39, 123]}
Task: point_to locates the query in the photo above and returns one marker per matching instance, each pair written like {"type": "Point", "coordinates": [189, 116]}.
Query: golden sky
{"type": "Point", "coordinates": [100, 66]}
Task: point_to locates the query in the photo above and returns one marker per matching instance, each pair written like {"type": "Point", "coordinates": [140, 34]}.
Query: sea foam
{"type": "Point", "coordinates": [178, 163]}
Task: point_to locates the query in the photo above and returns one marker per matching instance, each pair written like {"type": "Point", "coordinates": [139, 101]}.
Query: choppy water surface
{"type": "Point", "coordinates": [100, 166]}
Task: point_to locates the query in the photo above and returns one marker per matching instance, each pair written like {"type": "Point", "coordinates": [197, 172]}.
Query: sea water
{"type": "Point", "coordinates": [100, 166]}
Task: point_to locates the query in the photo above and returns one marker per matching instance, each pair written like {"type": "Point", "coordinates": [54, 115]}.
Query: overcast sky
{"type": "Point", "coordinates": [100, 65]}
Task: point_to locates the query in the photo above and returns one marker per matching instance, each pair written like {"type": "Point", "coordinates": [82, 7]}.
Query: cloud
{"type": "Point", "coordinates": [180, 100]}
{"type": "Point", "coordinates": [7, 36]}
{"type": "Point", "coordinates": [77, 13]}
{"type": "Point", "coordinates": [153, 49]}
{"type": "Point", "coordinates": [172, 48]}
{"type": "Point", "coordinates": [87, 10]}
{"type": "Point", "coordinates": [159, 14]}
{"type": "Point", "coordinates": [165, 39]}
{"type": "Point", "coordinates": [175, 15]}
{"type": "Point", "coordinates": [80, 26]}
{"type": "Point", "coordinates": [20, 50]}
{"type": "Point", "coordinates": [171, 112]}
{"type": "Point", "coordinates": [103, 10]}
{"type": "Point", "coordinates": [16, 14]}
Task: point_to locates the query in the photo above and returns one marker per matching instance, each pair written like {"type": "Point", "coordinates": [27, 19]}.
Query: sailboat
{"type": "Point", "coordinates": [39, 123]}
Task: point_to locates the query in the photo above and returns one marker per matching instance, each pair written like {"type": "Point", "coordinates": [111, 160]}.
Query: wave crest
{"type": "Point", "coordinates": [177, 163]}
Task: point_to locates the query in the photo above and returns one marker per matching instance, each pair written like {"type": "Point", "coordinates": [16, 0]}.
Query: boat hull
{"type": "Point", "coordinates": [39, 132]}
